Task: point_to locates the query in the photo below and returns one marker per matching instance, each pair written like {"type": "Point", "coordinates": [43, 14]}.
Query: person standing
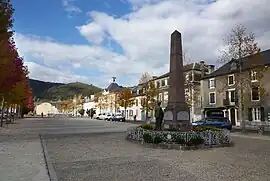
{"type": "Point", "coordinates": [159, 114]}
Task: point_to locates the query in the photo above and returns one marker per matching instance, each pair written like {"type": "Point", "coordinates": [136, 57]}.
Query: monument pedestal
{"type": "Point", "coordinates": [177, 117]}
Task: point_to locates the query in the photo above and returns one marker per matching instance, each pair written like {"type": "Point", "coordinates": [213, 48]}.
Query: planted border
{"type": "Point", "coordinates": [180, 140]}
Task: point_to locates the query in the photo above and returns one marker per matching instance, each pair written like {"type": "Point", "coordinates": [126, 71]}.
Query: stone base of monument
{"type": "Point", "coordinates": [177, 118]}
{"type": "Point", "coordinates": [182, 126]}
{"type": "Point", "coordinates": [179, 140]}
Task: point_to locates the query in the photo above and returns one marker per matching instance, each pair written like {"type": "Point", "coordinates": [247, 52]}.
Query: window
{"type": "Point", "coordinates": [187, 77]}
{"type": "Point", "coordinates": [158, 84]}
{"type": "Point", "coordinates": [256, 114]}
{"type": "Point", "coordinates": [212, 83]}
{"type": "Point", "coordinates": [212, 98]}
{"type": "Point", "coordinates": [254, 76]}
{"type": "Point", "coordinates": [186, 91]}
{"type": "Point", "coordinates": [232, 96]}
{"type": "Point", "coordinates": [165, 96]}
{"type": "Point", "coordinates": [163, 82]}
{"type": "Point", "coordinates": [233, 66]}
{"type": "Point", "coordinates": [130, 112]}
{"type": "Point", "coordinates": [255, 96]}
{"type": "Point", "coordinates": [231, 80]}
{"type": "Point", "coordinates": [160, 96]}
{"type": "Point", "coordinates": [137, 102]}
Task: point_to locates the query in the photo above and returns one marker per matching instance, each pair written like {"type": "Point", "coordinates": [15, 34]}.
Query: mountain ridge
{"type": "Point", "coordinates": [48, 91]}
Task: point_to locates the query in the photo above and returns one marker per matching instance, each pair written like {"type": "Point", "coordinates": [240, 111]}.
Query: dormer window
{"type": "Point", "coordinates": [233, 66]}
{"type": "Point", "coordinates": [163, 82]}
{"type": "Point", "coordinates": [158, 84]}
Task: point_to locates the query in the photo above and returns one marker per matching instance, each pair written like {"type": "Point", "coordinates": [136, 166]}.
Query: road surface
{"type": "Point", "coordinates": [92, 150]}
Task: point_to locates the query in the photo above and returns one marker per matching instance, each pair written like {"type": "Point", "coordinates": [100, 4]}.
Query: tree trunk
{"type": "Point", "coordinates": [18, 110]}
{"type": "Point", "coordinates": [241, 101]}
{"type": "Point", "coordinates": [2, 111]}
{"type": "Point", "coordinates": [147, 109]}
{"type": "Point", "coordinates": [12, 114]}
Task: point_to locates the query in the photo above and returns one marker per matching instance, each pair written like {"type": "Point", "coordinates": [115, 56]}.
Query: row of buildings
{"type": "Point", "coordinates": [208, 91]}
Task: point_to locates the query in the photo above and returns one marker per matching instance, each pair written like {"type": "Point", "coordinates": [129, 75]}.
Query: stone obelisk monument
{"type": "Point", "coordinates": [177, 113]}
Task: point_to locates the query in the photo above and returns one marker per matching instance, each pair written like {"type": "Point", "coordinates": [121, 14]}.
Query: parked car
{"type": "Point", "coordinates": [217, 122]}
{"type": "Point", "coordinates": [118, 117]}
{"type": "Point", "coordinates": [97, 116]}
{"type": "Point", "coordinates": [103, 116]}
{"type": "Point", "coordinates": [109, 116]}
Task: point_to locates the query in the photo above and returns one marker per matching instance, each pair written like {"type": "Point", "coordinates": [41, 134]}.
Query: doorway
{"type": "Point", "coordinates": [232, 116]}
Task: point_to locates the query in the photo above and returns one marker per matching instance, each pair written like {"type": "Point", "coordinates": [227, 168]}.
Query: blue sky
{"type": "Point", "coordinates": [92, 40]}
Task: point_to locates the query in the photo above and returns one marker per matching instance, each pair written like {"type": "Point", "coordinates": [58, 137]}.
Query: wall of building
{"type": "Point", "coordinates": [46, 108]}
{"type": "Point", "coordinates": [221, 86]}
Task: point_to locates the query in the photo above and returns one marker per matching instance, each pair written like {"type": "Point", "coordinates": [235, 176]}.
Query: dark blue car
{"type": "Point", "coordinates": [217, 122]}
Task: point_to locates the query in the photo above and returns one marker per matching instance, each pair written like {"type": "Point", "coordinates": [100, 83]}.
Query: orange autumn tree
{"type": "Point", "coordinates": [14, 88]}
{"type": "Point", "coordinates": [125, 99]}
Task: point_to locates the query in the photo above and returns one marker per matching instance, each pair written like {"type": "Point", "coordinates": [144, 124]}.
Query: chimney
{"type": "Point", "coordinates": [202, 68]}
{"type": "Point", "coordinates": [211, 68]}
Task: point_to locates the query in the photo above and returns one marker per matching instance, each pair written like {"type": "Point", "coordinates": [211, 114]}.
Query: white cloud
{"type": "Point", "coordinates": [43, 73]}
{"type": "Point", "coordinates": [93, 32]}
{"type": "Point", "coordinates": [70, 7]}
{"type": "Point", "coordinates": [144, 35]}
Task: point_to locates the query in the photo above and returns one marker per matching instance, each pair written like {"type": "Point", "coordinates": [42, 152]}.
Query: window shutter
{"type": "Point", "coordinates": [262, 113]}
{"type": "Point", "coordinates": [208, 83]}
{"type": "Point", "coordinates": [249, 114]}
{"type": "Point", "coordinates": [214, 82]}
{"type": "Point", "coordinates": [227, 95]}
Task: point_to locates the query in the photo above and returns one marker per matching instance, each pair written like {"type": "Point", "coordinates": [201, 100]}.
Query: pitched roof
{"type": "Point", "coordinates": [114, 87]}
{"type": "Point", "coordinates": [187, 67]}
{"type": "Point", "coordinates": [249, 62]}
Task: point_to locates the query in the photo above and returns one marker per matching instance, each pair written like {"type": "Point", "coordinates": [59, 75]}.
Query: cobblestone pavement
{"type": "Point", "coordinates": [85, 150]}
{"type": "Point", "coordinates": [21, 156]}
{"type": "Point", "coordinates": [102, 157]}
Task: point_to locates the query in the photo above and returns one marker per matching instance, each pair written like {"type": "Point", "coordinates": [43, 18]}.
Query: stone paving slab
{"type": "Point", "coordinates": [22, 160]}
{"type": "Point", "coordinates": [110, 157]}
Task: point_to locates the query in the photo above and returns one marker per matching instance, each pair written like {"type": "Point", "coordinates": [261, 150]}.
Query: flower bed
{"type": "Point", "coordinates": [201, 138]}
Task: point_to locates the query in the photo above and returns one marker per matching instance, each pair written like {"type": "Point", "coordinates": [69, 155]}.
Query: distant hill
{"type": "Point", "coordinates": [46, 91]}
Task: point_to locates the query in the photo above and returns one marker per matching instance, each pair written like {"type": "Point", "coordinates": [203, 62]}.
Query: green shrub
{"type": "Point", "coordinates": [157, 139]}
{"type": "Point", "coordinates": [180, 140]}
{"type": "Point", "coordinates": [195, 141]}
{"type": "Point", "coordinates": [147, 138]}
{"type": "Point", "coordinates": [147, 126]}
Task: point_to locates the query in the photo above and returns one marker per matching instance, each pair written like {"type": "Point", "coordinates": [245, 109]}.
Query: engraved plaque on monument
{"type": "Point", "coordinates": [168, 115]}
{"type": "Point", "coordinates": [183, 115]}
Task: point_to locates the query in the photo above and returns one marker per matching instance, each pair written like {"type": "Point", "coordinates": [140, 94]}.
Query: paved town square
{"type": "Point", "coordinates": [85, 150]}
